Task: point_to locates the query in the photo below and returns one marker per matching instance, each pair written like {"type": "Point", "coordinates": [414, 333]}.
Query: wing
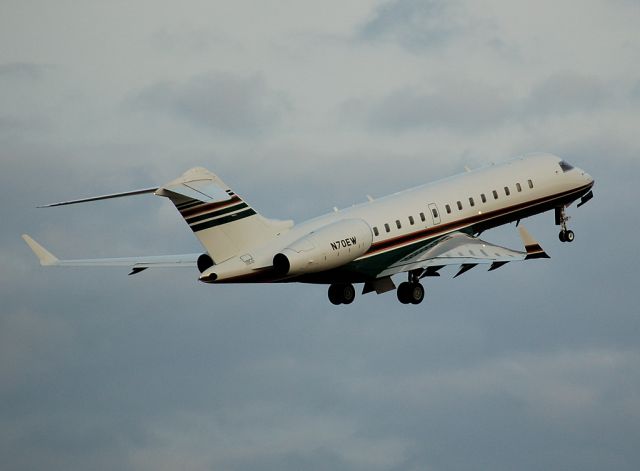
{"type": "Point", "coordinates": [137, 264]}
{"type": "Point", "coordinates": [462, 249]}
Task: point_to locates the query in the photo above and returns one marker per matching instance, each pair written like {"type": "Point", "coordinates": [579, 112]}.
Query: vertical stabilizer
{"type": "Point", "coordinates": [223, 222]}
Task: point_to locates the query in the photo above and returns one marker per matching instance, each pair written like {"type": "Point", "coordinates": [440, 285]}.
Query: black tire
{"type": "Point", "coordinates": [348, 293]}
{"type": "Point", "coordinates": [562, 237]}
{"type": "Point", "coordinates": [569, 236]}
{"type": "Point", "coordinates": [404, 292]}
{"type": "Point", "coordinates": [416, 293]}
{"type": "Point", "coordinates": [334, 294]}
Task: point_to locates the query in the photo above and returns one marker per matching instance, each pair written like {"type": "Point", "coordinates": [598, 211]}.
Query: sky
{"type": "Point", "coordinates": [301, 106]}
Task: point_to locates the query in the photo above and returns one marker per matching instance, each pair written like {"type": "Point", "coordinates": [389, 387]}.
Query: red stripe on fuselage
{"type": "Point", "coordinates": [442, 229]}
{"type": "Point", "coordinates": [209, 207]}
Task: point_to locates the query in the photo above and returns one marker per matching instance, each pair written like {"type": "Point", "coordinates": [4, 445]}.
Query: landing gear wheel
{"type": "Point", "coordinates": [342, 294]}
{"type": "Point", "coordinates": [416, 293]}
{"type": "Point", "coordinates": [566, 236]}
{"type": "Point", "coordinates": [334, 294]}
{"type": "Point", "coordinates": [403, 292]}
{"type": "Point", "coordinates": [410, 293]}
{"type": "Point", "coordinates": [348, 294]}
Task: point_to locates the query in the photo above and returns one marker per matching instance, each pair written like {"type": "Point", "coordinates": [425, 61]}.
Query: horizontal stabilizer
{"type": "Point", "coordinates": [203, 190]}
{"type": "Point", "coordinates": [102, 197]}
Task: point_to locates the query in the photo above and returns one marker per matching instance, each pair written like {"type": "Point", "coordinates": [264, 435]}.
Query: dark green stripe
{"type": "Point", "coordinates": [213, 214]}
{"type": "Point", "coordinates": [188, 204]}
{"type": "Point", "coordinates": [224, 220]}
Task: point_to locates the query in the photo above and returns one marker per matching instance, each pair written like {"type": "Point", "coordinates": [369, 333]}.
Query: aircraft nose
{"type": "Point", "coordinates": [587, 178]}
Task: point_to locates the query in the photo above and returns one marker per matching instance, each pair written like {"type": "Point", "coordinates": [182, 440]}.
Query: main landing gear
{"type": "Point", "coordinates": [565, 235]}
{"type": "Point", "coordinates": [411, 292]}
{"type": "Point", "coordinates": [340, 293]}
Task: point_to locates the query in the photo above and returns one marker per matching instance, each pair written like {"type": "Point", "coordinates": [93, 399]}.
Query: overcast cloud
{"type": "Point", "coordinates": [218, 101]}
{"type": "Point", "coordinates": [301, 106]}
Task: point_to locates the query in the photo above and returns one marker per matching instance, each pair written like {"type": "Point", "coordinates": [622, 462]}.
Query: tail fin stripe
{"type": "Point", "coordinates": [223, 220]}
{"type": "Point", "coordinates": [200, 209]}
{"type": "Point", "coordinates": [213, 214]}
{"type": "Point", "coordinates": [188, 204]}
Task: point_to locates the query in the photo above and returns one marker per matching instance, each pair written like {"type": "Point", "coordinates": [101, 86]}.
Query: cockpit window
{"type": "Point", "coordinates": [565, 166]}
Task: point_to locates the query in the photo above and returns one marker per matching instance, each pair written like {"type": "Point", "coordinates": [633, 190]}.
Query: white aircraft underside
{"type": "Point", "coordinates": [418, 231]}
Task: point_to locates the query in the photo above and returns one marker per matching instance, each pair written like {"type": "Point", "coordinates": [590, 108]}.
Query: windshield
{"type": "Point", "coordinates": [565, 166]}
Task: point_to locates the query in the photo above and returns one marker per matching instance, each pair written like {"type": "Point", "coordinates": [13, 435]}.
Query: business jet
{"type": "Point", "coordinates": [418, 231]}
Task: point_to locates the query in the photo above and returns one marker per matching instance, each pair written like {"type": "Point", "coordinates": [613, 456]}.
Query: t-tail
{"type": "Point", "coordinates": [223, 222]}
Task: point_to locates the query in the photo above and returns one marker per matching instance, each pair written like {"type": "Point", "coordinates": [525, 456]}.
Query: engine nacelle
{"type": "Point", "coordinates": [325, 248]}
{"type": "Point", "coordinates": [204, 262]}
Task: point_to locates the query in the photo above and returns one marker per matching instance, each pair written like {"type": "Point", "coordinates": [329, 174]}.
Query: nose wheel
{"type": "Point", "coordinates": [565, 235]}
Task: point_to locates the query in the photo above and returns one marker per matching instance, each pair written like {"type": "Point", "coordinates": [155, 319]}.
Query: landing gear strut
{"type": "Point", "coordinates": [411, 292]}
{"type": "Point", "coordinates": [565, 235]}
{"type": "Point", "coordinates": [342, 293]}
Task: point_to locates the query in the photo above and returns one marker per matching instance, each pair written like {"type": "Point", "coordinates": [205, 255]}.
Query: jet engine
{"type": "Point", "coordinates": [204, 262]}
{"type": "Point", "coordinates": [327, 247]}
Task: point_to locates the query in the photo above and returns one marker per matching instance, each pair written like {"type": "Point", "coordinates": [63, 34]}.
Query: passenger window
{"type": "Point", "coordinates": [375, 232]}
{"type": "Point", "coordinates": [471, 202]}
{"type": "Point", "coordinates": [398, 224]}
{"type": "Point", "coordinates": [506, 191]}
{"type": "Point", "coordinates": [448, 208]}
{"type": "Point", "coordinates": [435, 213]}
{"type": "Point", "coordinates": [422, 218]}
{"type": "Point", "coordinates": [459, 206]}
{"type": "Point", "coordinates": [386, 227]}
{"type": "Point", "coordinates": [495, 195]}
{"type": "Point", "coordinates": [518, 187]}
{"type": "Point", "coordinates": [483, 198]}
{"type": "Point", "coordinates": [411, 221]}
{"type": "Point", "coordinates": [530, 183]}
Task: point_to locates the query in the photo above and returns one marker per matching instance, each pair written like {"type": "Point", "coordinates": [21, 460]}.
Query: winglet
{"type": "Point", "coordinates": [46, 258]}
{"type": "Point", "coordinates": [531, 245]}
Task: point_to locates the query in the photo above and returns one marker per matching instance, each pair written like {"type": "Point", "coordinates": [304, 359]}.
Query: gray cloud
{"type": "Point", "coordinates": [635, 92]}
{"type": "Point", "coordinates": [22, 70]}
{"type": "Point", "coordinates": [218, 101]}
{"type": "Point", "coordinates": [415, 24]}
{"type": "Point", "coordinates": [457, 105]}
{"type": "Point", "coordinates": [465, 106]}
{"type": "Point", "coordinates": [567, 92]}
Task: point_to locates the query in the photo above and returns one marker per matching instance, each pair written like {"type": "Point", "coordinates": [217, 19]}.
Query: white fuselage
{"type": "Point", "coordinates": [470, 202]}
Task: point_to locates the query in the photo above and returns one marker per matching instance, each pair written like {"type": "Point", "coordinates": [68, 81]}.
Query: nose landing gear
{"type": "Point", "coordinates": [565, 235]}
